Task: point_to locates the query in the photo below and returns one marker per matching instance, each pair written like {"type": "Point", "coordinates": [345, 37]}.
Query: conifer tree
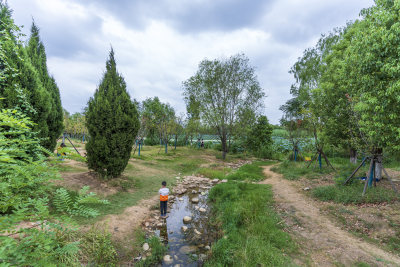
{"type": "Point", "coordinates": [37, 55]}
{"type": "Point", "coordinates": [113, 122]}
{"type": "Point", "coordinates": [21, 76]}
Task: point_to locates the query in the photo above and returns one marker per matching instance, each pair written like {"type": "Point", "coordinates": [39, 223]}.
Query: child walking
{"type": "Point", "coordinates": [164, 191]}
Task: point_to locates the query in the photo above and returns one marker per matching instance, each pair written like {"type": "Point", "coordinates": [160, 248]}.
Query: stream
{"type": "Point", "coordinates": [188, 247]}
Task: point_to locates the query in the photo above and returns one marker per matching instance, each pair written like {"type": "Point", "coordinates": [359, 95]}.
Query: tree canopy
{"type": "Point", "coordinates": [227, 92]}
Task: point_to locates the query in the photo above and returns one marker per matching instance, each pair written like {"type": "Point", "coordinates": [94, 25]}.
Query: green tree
{"type": "Point", "coordinates": [259, 137]}
{"type": "Point", "coordinates": [225, 90]}
{"type": "Point", "coordinates": [37, 54]}
{"type": "Point", "coordinates": [19, 74]}
{"type": "Point", "coordinates": [160, 119]}
{"type": "Point", "coordinates": [113, 122]}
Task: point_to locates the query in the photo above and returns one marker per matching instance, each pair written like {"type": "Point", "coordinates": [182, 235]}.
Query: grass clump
{"type": "Point", "coordinates": [252, 234]}
{"type": "Point", "coordinates": [157, 249]}
{"type": "Point", "coordinates": [352, 194]}
{"type": "Point", "coordinates": [250, 172]}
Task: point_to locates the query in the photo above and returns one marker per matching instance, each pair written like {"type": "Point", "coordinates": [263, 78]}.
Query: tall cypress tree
{"type": "Point", "coordinates": [113, 122]}
{"type": "Point", "coordinates": [21, 75]}
{"type": "Point", "coordinates": [37, 55]}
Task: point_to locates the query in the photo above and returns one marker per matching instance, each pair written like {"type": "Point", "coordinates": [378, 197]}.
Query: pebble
{"type": "Point", "coordinates": [187, 219]}
{"type": "Point", "coordinates": [207, 247]}
{"type": "Point", "coordinates": [180, 199]}
{"type": "Point", "coordinates": [224, 181]}
{"type": "Point", "coordinates": [184, 228]}
{"type": "Point", "coordinates": [215, 181]}
{"type": "Point", "coordinates": [187, 249]}
{"type": "Point", "coordinates": [306, 189]}
{"type": "Point", "coordinates": [146, 247]}
{"type": "Point", "coordinates": [195, 200]}
{"type": "Point", "coordinates": [196, 207]}
{"type": "Point", "coordinates": [176, 257]}
{"type": "Point", "coordinates": [168, 259]}
{"type": "Point", "coordinates": [194, 192]}
{"type": "Point", "coordinates": [202, 210]}
{"type": "Point", "coordinates": [197, 232]}
{"type": "Point", "coordinates": [203, 193]}
{"type": "Point", "coordinates": [159, 224]}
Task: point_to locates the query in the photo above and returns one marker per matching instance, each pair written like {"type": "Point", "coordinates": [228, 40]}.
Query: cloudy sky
{"type": "Point", "coordinates": [159, 44]}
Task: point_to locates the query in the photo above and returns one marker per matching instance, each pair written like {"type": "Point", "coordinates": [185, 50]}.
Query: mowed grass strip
{"type": "Point", "coordinates": [252, 234]}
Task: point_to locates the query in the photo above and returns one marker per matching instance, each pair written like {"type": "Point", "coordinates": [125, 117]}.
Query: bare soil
{"type": "Point", "coordinates": [320, 238]}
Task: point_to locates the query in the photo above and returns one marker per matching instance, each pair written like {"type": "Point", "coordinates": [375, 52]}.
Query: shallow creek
{"type": "Point", "coordinates": [187, 242]}
{"type": "Point", "coordinates": [187, 247]}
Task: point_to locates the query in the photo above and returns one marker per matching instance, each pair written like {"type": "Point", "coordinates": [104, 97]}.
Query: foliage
{"type": "Point", "coordinates": [112, 121]}
{"type": "Point", "coordinates": [24, 176]}
{"type": "Point", "coordinates": [37, 55]}
{"type": "Point", "coordinates": [159, 119]}
{"type": "Point", "coordinates": [259, 137]}
{"type": "Point", "coordinates": [19, 77]}
{"type": "Point", "coordinates": [158, 250]}
{"type": "Point", "coordinates": [75, 123]}
{"type": "Point", "coordinates": [77, 206]}
{"type": "Point", "coordinates": [97, 248]}
{"type": "Point", "coordinates": [250, 225]}
{"type": "Point", "coordinates": [228, 95]}
{"type": "Point", "coordinates": [370, 65]}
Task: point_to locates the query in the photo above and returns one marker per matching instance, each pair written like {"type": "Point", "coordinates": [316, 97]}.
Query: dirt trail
{"type": "Point", "coordinates": [324, 242]}
{"type": "Point", "coordinates": [121, 225]}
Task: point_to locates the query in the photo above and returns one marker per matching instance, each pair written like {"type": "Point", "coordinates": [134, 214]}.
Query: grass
{"type": "Point", "coordinates": [250, 172]}
{"type": "Point", "coordinates": [157, 248]}
{"type": "Point", "coordinates": [295, 170]}
{"type": "Point", "coordinates": [352, 194]}
{"type": "Point", "coordinates": [247, 172]}
{"type": "Point", "coordinates": [251, 228]}
{"type": "Point", "coordinates": [213, 173]}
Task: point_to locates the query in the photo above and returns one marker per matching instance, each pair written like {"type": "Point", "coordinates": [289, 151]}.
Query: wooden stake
{"type": "Point", "coordinates": [312, 159]}
{"type": "Point", "coordinates": [356, 170]}
{"type": "Point", "coordinates": [366, 180]}
{"type": "Point", "coordinates": [390, 179]}
{"type": "Point", "coordinates": [327, 161]}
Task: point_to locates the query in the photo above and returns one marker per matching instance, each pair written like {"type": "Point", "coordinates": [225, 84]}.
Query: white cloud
{"type": "Point", "coordinates": [156, 57]}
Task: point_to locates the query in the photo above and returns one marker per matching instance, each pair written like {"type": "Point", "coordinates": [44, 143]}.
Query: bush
{"type": "Point", "coordinates": [112, 122]}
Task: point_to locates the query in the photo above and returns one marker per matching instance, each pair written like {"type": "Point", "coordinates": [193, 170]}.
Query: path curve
{"type": "Point", "coordinates": [325, 242]}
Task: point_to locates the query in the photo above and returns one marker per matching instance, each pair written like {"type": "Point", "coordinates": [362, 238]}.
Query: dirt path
{"type": "Point", "coordinates": [122, 225]}
{"type": "Point", "coordinates": [324, 242]}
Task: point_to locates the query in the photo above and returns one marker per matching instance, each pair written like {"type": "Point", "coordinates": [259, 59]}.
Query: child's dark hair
{"type": "Point", "coordinates": [164, 183]}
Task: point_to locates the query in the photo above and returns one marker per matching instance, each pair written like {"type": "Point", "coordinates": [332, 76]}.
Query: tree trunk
{"type": "Point", "coordinates": [223, 143]}
{"type": "Point", "coordinates": [353, 155]}
{"type": "Point", "coordinates": [378, 163]}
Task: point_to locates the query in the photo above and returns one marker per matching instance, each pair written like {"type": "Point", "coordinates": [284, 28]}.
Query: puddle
{"type": "Point", "coordinates": [188, 248]}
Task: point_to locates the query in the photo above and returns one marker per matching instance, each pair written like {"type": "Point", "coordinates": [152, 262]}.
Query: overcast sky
{"type": "Point", "coordinates": [159, 44]}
